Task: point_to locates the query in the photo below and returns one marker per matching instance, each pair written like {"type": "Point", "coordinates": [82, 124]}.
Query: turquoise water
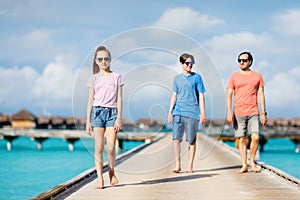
{"type": "Point", "coordinates": [280, 153]}
{"type": "Point", "coordinates": [27, 172]}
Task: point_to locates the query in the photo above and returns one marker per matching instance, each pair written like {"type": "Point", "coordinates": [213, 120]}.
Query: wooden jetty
{"type": "Point", "coordinates": [71, 136]}
{"type": "Point", "coordinates": [146, 173]}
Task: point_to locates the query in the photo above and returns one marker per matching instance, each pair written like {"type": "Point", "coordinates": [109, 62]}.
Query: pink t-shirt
{"type": "Point", "coordinates": [245, 88]}
{"type": "Point", "coordinates": [105, 89]}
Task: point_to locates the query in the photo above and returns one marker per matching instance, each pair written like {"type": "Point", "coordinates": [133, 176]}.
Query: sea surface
{"type": "Point", "coordinates": [26, 172]}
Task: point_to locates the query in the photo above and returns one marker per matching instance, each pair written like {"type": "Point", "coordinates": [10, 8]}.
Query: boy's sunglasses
{"type": "Point", "coordinates": [189, 63]}
{"type": "Point", "coordinates": [105, 59]}
{"type": "Point", "coordinates": [244, 60]}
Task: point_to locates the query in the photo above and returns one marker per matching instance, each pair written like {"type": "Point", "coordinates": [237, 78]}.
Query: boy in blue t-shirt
{"type": "Point", "coordinates": [184, 114]}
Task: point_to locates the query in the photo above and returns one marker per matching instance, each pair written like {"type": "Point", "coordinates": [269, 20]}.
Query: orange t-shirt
{"type": "Point", "coordinates": [245, 88]}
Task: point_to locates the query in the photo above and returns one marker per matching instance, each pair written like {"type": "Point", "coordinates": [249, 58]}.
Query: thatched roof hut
{"type": "Point", "coordinates": [23, 119]}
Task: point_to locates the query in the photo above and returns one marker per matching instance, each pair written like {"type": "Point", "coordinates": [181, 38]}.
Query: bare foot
{"type": "Point", "coordinates": [176, 170]}
{"type": "Point", "coordinates": [100, 186]}
{"type": "Point", "coordinates": [243, 170]}
{"type": "Point", "coordinates": [189, 171]}
{"type": "Point", "coordinates": [254, 168]}
{"type": "Point", "coordinates": [112, 177]}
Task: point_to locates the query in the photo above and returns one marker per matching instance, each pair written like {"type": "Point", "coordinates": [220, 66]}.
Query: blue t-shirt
{"type": "Point", "coordinates": [187, 88]}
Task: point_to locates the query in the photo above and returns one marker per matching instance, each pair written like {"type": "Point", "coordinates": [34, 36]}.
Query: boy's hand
{"type": "Point", "coordinates": [202, 118]}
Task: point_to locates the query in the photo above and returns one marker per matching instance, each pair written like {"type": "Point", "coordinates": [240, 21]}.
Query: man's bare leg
{"type": "Point", "coordinates": [243, 153]}
{"type": "Point", "coordinates": [253, 149]}
{"type": "Point", "coordinates": [176, 145]}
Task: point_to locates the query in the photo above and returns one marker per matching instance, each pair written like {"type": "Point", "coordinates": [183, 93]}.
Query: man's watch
{"type": "Point", "coordinates": [264, 113]}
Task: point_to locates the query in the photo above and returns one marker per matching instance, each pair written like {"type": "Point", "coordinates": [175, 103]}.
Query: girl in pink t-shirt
{"type": "Point", "coordinates": [104, 112]}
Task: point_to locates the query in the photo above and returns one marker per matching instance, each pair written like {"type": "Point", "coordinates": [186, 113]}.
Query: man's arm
{"type": "Point", "coordinates": [261, 97]}
{"type": "Point", "coordinates": [229, 105]}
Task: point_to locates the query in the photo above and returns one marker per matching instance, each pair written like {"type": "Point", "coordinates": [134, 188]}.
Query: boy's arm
{"type": "Point", "coordinates": [202, 108]}
{"type": "Point", "coordinates": [172, 103]}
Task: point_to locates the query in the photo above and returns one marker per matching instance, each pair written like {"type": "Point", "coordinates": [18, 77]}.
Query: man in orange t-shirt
{"type": "Point", "coordinates": [247, 86]}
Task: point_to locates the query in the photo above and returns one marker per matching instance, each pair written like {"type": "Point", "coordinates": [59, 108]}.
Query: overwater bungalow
{"type": "Point", "coordinates": [5, 120]}
{"type": "Point", "coordinates": [23, 120]}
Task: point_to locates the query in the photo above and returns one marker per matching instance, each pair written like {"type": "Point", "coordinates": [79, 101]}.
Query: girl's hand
{"type": "Point", "coordinates": [118, 125]}
{"type": "Point", "coordinates": [88, 129]}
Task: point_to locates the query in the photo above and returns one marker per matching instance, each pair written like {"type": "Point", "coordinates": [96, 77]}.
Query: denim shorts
{"type": "Point", "coordinates": [103, 117]}
{"type": "Point", "coordinates": [183, 124]}
{"type": "Point", "coordinates": [245, 125]}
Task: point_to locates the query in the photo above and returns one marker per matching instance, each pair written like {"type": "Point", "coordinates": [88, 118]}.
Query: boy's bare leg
{"type": "Point", "coordinates": [253, 149]}
{"type": "Point", "coordinates": [243, 153]}
{"type": "Point", "coordinates": [192, 150]}
{"type": "Point", "coordinates": [176, 145]}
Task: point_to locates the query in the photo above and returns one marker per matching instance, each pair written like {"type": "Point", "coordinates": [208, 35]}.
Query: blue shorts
{"type": "Point", "coordinates": [183, 124]}
{"type": "Point", "coordinates": [244, 125]}
{"type": "Point", "coordinates": [103, 117]}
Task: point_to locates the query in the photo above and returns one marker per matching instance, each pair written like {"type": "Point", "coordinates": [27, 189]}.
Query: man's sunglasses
{"type": "Point", "coordinates": [244, 60]}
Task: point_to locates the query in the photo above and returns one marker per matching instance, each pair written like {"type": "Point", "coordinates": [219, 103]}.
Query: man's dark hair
{"type": "Point", "coordinates": [250, 57]}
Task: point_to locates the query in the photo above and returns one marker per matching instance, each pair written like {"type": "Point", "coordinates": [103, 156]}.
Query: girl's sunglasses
{"type": "Point", "coordinates": [105, 59]}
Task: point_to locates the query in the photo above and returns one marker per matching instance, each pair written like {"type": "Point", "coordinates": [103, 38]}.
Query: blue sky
{"type": "Point", "coordinates": [46, 48]}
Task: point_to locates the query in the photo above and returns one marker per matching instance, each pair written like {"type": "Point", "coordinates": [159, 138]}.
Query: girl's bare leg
{"type": "Point", "coordinates": [111, 137]}
{"type": "Point", "coordinates": [98, 156]}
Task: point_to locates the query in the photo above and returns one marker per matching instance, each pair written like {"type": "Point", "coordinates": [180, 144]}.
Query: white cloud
{"type": "Point", "coordinates": [32, 46]}
{"type": "Point", "coordinates": [224, 49]}
{"type": "Point", "coordinates": [287, 23]}
{"type": "Point", "coordinates": [16, 84]}
{"type": "Point", "coordinates": [26, 88]}
{"type": "Point", "coordinates": [283, 89]}
{"type": "Point", "coordinates": [56, 82]}
{"type": "Point", "coordinates": [186, 20]}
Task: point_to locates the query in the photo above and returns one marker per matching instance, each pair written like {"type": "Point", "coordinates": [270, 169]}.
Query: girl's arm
{"type": "Point", "coordinates": [88, 127]}
{"type": "Point", "coordinates": [118, 123]}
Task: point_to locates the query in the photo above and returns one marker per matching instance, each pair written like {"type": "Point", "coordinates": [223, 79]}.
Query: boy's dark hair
{"type": "Point", "coordinates": [250, 57]}
{"type": "Point", "coordinates": [185, 56]}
